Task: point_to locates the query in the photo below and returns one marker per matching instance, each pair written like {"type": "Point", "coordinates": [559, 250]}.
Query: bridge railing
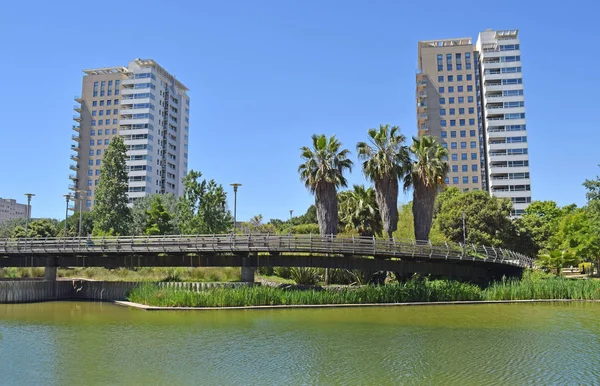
{"type": "Point", "coordinates": [229, 243]}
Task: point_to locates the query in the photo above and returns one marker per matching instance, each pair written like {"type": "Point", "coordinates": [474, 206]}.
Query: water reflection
{"type": "Point", "coordinates": [66, 342]}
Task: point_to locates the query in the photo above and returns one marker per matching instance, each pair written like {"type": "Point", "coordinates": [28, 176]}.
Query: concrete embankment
{"type": "Point", "coordinates": [28, 291]}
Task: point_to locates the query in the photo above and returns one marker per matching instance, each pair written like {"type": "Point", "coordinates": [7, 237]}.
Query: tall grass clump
{"type": "Point", "coordinates": [411, 291]}
{"type": "Point", "coordinates": [536, 285]}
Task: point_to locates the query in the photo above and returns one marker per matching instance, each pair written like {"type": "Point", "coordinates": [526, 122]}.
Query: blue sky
{"type": "Point", "coordinates": [265, 75]}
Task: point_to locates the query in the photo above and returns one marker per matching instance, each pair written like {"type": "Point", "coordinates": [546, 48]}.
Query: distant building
{"type": "Point", "coordinates": [470, 97]}
{"type": "Point", "coordinates": [149, 108]}
{"type": "Point", "coordinates": [11, 209]}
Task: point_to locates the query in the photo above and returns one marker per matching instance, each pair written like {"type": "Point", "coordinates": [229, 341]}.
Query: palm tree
{"type": "Point", "coordinates": [383, 164]}
{"type": "Point", "coordinates": [322, 173]}
{"type": "Point", "coordinates": [556, 259]}
{"type": "Point", "coordinates": [426, 173]}
{"type": "Point", "coordinates": [359, 211]}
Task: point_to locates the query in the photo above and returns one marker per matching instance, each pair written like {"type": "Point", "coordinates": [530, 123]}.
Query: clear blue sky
{"type": "Point", "coordinates": [265, 75]}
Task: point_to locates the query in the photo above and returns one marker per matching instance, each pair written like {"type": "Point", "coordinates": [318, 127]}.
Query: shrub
{"type": "Point", "coordinates": [283, 272]}
{"type": "Point", "coordinates": [305, 276]}
{"type": "Point", "coordinates": [585, 268]}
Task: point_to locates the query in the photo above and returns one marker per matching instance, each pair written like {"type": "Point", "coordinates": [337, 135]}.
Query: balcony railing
{"type": "Point", "coordinates": [74, 157]}
{"type": "Point", "coordinates": [75, 146]}
{"type": "Point", "coordinates": [424, 127]}
{"type": "Point", "coordinates": [72, 187]}
{"type": "Point", "coordinates": [74, 167]}
{"type": "Point", "coordinates": [77, 108]}
{"type": "Point", "coordinates": [78, 98]}
{"type": "Point", "coordinates": [75, 137]}
{"type": "Point", "coordinates": [77, 128]}
{"type": "Point", "coordinates": [77, 118]}
{"type": "Point", "coordinates": [422, 94]}
{"type": "Point", "coordinates": [72, 176]}
{"type": "Point", "coordinates": [423, 116]}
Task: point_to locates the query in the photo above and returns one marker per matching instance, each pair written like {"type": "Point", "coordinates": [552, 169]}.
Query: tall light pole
{"type": "Point", "coordinates": [291, 216]}
{"type": "Point", "coordinates": [68, 198]}
{"type": "Point", "coordinates": [235, 185]}
{"type": "Point", "coordinates": [464, 229]}
{"type": "Point", "coordinates": [29, 195]}
{"type": "Point", "coordinates": [80, 197]}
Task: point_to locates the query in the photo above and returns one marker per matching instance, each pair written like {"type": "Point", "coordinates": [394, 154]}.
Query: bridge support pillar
{"type": "Point", "coordinates": [248, 272]}
{"type": "Point", "coordinates": [50, 269]}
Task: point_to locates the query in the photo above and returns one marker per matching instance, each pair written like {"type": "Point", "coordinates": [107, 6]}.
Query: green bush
{"type": "Point", "coordinates": [585, 268]}
{"type": "Point", "coordinates": [282, 272]}
{"type": "Point", "coordinates": [305, 276]}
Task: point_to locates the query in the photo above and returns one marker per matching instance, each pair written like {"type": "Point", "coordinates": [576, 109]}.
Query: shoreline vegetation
{"type": "Point", "coordinates": [533, 286]}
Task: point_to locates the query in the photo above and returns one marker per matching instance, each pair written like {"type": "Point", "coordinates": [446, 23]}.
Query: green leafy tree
{"type": "Point", "coordinates": [578, 232]}
{"type": "Point", "coordinates": [87, 225]}
{"type": "Point", "coordinates": [406, 226]}
{"type": "Point", "coordinates": [111, 214]}
{"type": "Point", "coordinates": [37, 229]}
{"type": "Point", "coordinates": [7, 227]}
{"type": "Point", "coordinates": [202, 208]}
{"type": "Point", "coordinates": [158, 219]}
{"type": "Point", "coordinates": [540, 222]}
{"type": "Point", "coordinates": [322, 171]}
{"type": "Point", "coordinates": [358, 211]}
{"type": "Point", "coordinates": [383, 164]}
{"type": "Point", "coordinates": [426, 170]}
{"type": "Point", "coordinates": [557, 259]}
{"type": "Point", "coordinates": [487, 218]}
{"type": "Point", "coordinates": [256, 225]}
{"type": "Point", "coordinates": [142, 205]}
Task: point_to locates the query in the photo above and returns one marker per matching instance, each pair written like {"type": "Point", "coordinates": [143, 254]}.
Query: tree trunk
{"type": "Point", "coordinates": [386, 194]}
{"type": "Point", "coordinates": [423, 205]}
{"type": "Point", "coordinates": [327, 213]}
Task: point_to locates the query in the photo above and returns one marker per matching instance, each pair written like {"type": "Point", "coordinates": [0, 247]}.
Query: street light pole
{"type": "Point", "coordinates": [464, 229]}
{"type": "Point", "coordinates": [235, 185]}
{"type": "Point", "coordinates": [68, 198]}
{"type": "Point", "coordinates": [29, 195]}
{"type": "Point", "coordinates": [291, 216]}
{"type": "Point", "coordinates": [80, 210]}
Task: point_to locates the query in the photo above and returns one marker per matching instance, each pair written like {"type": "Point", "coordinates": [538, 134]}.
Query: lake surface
{"type": "Point", "coordinates": [101, 343]}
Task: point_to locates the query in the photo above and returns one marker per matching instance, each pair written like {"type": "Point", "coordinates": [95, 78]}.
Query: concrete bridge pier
{"type": "Point", "coordinates": [50, 269]}
{"type": "Point", "coordinates": [247, 271]}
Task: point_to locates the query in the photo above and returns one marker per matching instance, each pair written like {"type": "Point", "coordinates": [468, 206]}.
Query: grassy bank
{"type": "Point", "coordinates": [532, 286]}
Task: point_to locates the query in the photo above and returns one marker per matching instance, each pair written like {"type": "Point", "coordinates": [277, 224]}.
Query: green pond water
{"type": "Point", "coordinates": [100, 343]}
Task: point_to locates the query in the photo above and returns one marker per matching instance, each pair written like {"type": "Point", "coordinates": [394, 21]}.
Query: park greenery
{"type": "Point", "coordinates": [559, 236]}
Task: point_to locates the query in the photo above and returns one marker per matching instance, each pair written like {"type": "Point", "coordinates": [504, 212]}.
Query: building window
{"type": "Point", "coordinates": [89, 182]}
{"type": "Point", "coordinates": [97, 172]}
{"type": "Point", "coordinates": [444, 134]}
{"type": "Point", "coordinates": [469, 88]}
{"type": "Point", "coordinates": [453, 145]}
{"type": "Point", "coordinates": [461, 111]}
{"type": "Point", "coordinates": [98, 162]}
{"type": "Point", "coordinates": [116, 102]}
{"type": "Point", "coordinates": [471, 121]}
{"type": "Point", "coordinates": [471, 133]}
{"type": "Point", "coordinates": [442, 111]}
{"type": "Point", "coordinates": [440, 79]}
{"type": "Point", "coordinates": [99, 152]}
{"type": "Point", "coordinates": [452, 122]}
{"type": "Point", "coordinates": [461, 122]}
{"type": "Point", "coordinates": [91, 142]}
{"type": "Point", "coordinates": [450, 88]}
{"type": "Point", "coordinates": [449, 62]}
{"type": "Point", "coordinates": [93, 113]}
{"type": "Point", "coordinates": [441, 90]}
{"type": "Point", "coordinates": [443, 123]}
{"type": "Point", "coordinates": [108, 111]}
{"type": "Point", "coordinates": [473, 145]}
{"type": "Point", "coordinates": [106, 141]}
{"type": "Point", "coordinates": [469, 77]}
{"type": "Point", "coordinates": [459, 78]}
{"type": "Point", "coordinates": [101, 113]}
{"type": "Point", "coordinates": [446, 180]}
{"type": "Point", "coordinates": [91, 152]}
{"type": "Point", "coordinates": [455, 180]}
{"type": "Point", "coordinates": [101, 103]}
{"type": "Point", "coordinates": [99, 122]}
{"type": "Point", "coordinates": [442, 101]}
{"type": "Point", "coordinates": [473, 156]}
{"type": "Point", "coordinates": [452, 111]}
{"type": "Point", "coordinates": [106, 131]}
{"type": "Point", "coordinates": [460, 88]}
{"type": "Point", "coordinates": [453, 134]}
{"type": "Point", "coordinates": [93, 132]}
{"type": "Point", "coordinates": [463, 133]}
{"type": "Point", "coordinates": [115, 111]}
{"type": "Point", "coordinates": [465, 168]}
{"type": "Point", "coordinates": [463, 156]}
{"type": "Point", "coordinates": [474, 167]}
{"type": "Point", "coordinates": [454, 157]}
{"type": "Point", "coordinates": [450, 78]}
{"type": "Point", "coordinates": [461, 100]}
{"type": "Point", "coordinates": [451, 100]}
{"type": "Point", "coordinates": [471, 110]}
{"type": "Point", "coordinates": [94, 103]}
{"type": "Point", "coordinates": [88, 203]}
{"type": "Point", "coordinates": [463, 145]}
{"type": "Point", "coordinates": [114, 131]}
{"type": "Point", "coordinates": [444, 145]}
{"type": "Point", "coordinates": [465, 180]}
{"type": "Point", "coordinates": [470, 99]}
{"type": "Point", "coordinates": [440, 62]}
{"type": "Point", "coordinates": [108, 102]}
{"type": "Point", "coordinates": [475, 179]}
{"type": "Point", "coordinates": [90, 172]}
{"type": "Point", "coordinates": [454, 168]}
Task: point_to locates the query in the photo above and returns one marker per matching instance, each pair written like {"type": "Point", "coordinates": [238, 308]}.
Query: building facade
{"type": "Point", "coordinates": [149, 109]}
{"type": "Point", "coordinates": [503, 117]}
{"type": "Point", "coordinates": [11, 209]}
{"type": "Point", "coordinates": [470, 97]}
{"type": "Point", "coordinates": [447, 106]}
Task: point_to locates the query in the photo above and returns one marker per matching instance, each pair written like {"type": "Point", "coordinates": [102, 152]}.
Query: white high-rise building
{"type": "Point", "coordinates": [502, 108]}
{"type": "Point", "coordinates": [149, 109]}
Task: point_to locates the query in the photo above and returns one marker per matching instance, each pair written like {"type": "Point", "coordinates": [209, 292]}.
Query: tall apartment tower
{"type": "Point", "coordinates": [471, 99]}
{"type": "Point", "coordinates": [149, 109]}
{"type": "Point", "coordinates": [503, 117]}
{"type": "Point", "coordinates": [447, 106]}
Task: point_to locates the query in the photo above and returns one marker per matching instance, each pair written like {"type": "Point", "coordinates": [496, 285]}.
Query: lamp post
{"type": "Point", "coordinates": [29, 195]}
{"type": "Point", "coordinates": [291, 216]}
{"type": "Point", "coordinates": [235, 185]}
{"type": "Point", "coordinates": [464, 229]}
{"type": "Point", "coordinates": [68, 198]}
{"type": "Point", "coordinates": [80, 197]}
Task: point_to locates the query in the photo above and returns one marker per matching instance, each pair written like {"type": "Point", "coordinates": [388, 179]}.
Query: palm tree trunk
{"type": "Point", "coordinates": [423, 205]}
{"type": "Point", "coordinates": [327, 212]}
{"type": "Point", "coordinates": [386, 194]}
